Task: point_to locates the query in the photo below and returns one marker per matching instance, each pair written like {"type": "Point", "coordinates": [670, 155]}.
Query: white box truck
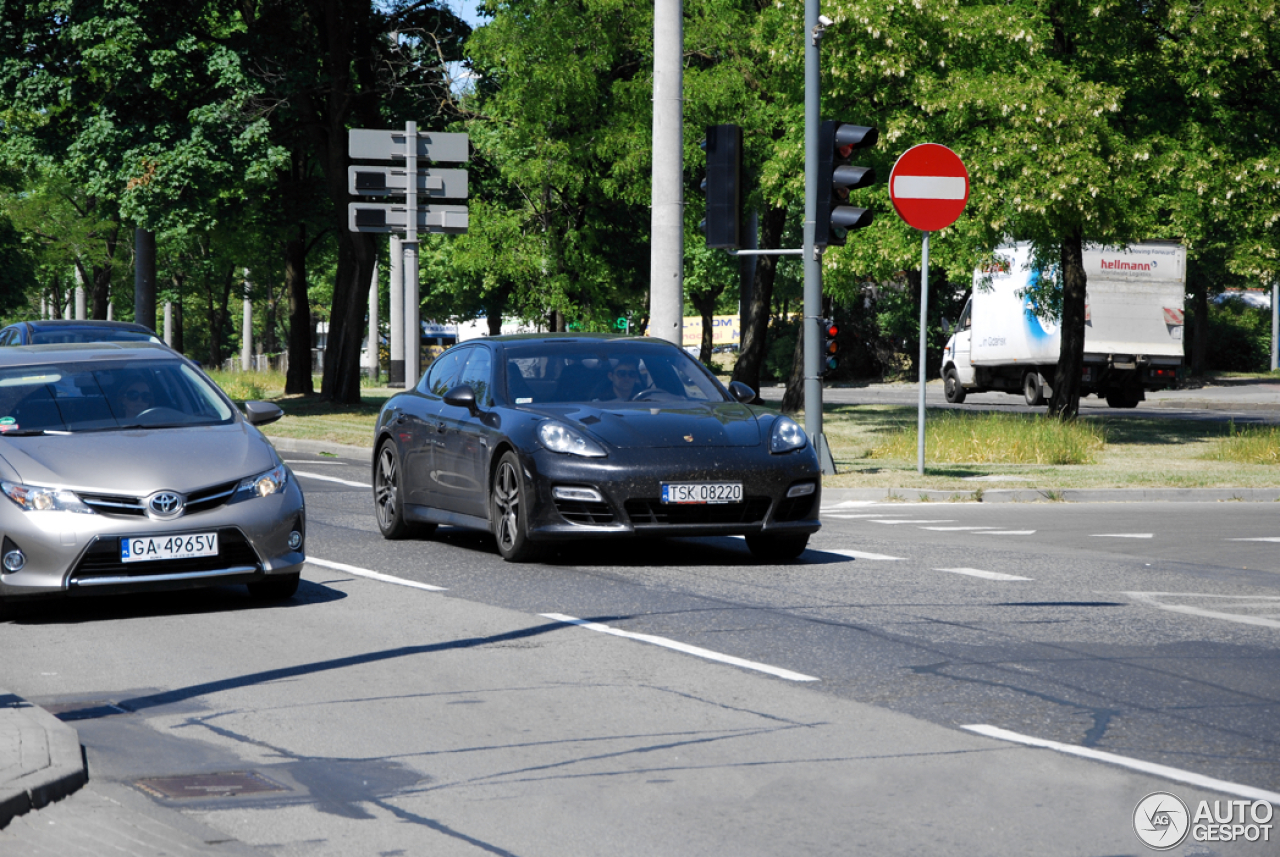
{"type": "Point", "coordinates": [1133, 327]}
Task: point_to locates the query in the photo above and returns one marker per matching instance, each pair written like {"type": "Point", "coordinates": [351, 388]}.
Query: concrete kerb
{"type": "Point", "coordinates": [40, 758]}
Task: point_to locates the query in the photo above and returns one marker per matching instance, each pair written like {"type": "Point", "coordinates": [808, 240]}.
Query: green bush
{"type": "Point", "coordinates": [1239, 337]}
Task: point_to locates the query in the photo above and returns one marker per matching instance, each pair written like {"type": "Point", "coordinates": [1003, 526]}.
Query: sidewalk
{"type": "Point", "coordinates": [40, 758]}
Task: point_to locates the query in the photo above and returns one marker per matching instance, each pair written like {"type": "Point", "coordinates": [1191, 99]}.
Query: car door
{"type": "Point", "coordinates": [462, 456]}
{"type": "Point", "coordinates": [964, 345]}
{"type": "Point", "coordinates": [420, 419]}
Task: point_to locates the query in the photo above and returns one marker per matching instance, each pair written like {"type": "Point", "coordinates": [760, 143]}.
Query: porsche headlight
{"type": "Point", "coordinates": [266, 484]}
{"type": "Point", "coordinates": [558, 437]}
{"type": "Point", "coordinates": [36, 498]}
{"type": "Point", "coordinates": [787, 436]}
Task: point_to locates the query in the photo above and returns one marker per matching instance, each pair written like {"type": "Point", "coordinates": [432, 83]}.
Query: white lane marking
{"type": "Point", "coordinates": [1006, 533]}
{"type": "Point", "coordinates": [1150, 599]}
{"type": "Point", "coordinates": [1122, 536]}
{"type": "Point", "coordinates": [373, 575]}
{"type": "Point", "coordinates": [324, 478]}
{"type": "Point", "coordinates": [847, 517]}
{"type": "Point", "coordinates": [1175, 774]}
{"type": "Point", "coordinates": [682, 647]}
{"type": "Point", "coordinates": [986, 575]}
{"type": "Point", "coordinates": [849, 504]}
{"type": "Point", "coordinates": [952, 529]}
{"type": "Point", "coordinates": [859, 554]}
{"type": "Point", "coordinates": [1260, 539]}
{"type": "Point", "coordinates": [923, 521]}
{"type": "Point", "coordinates": [315, 461]}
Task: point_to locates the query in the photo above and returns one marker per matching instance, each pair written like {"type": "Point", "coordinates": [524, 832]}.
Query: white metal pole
{"type": "Point", "coordinates": [168, 323]}
{"type": "Point", "coordinates": [1275, 325]}
{"type": "Point", "coordinates": [666, 289]}
{"type": "Point", "coordinates": [373, 323]}
{"type": "Point", "coordinates": [396, 373]}
{"type": "Point", "coordinates": [81, 313]}
{"type": "Point", "coordinates": [246, 335]}
{"type": "Point", "coordinates": [412, 331]}
{"type": "Point", "coordinates": [924, 330]}
{"type": "Point", "coordinates": [111, 311]}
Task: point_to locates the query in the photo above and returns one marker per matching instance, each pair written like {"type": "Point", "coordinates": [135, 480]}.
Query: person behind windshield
{"type": "Point", "coordinates": [135, 397]}
{"type": "Point", "coordinates": [624, 377]}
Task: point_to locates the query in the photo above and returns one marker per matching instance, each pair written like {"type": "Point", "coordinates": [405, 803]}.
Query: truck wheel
{"type": "Point", "coordinates": [1122, 399]}
{"type": "Point", "coordinates": [952, 388]}
{"type": "Point", "coordinates": [1031, 389]}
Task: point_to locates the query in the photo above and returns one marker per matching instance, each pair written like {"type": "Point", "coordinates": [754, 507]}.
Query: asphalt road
{"type": "Point", "coordinates": [452, 706]}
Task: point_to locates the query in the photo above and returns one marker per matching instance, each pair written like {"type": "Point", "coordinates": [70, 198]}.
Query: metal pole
{"type": "Point", "coordinates": [373, 323]}
{"type": "Point", "coordinates": [144, 277]}
{"type": "Point", "coordinates": [246, 335]}
{"type": "Point", "coordinates": [812, 256]}
{"type": "Point", "coordinates": [395, 375]}
{"type": "Point", "coordinates": [666, 290]}
{"type": "Point", "coordinates": [747, 272]}
{"type": "Point", "coordinates": [924, 329]}
{"type": "Point", "coordinates": [168, 322]}
{"type": "Point", "coordinates": [1275, 325]}
{"type": "Point", "coordinates": [412, 330]}
{"type": "Point", "coordinates": [81, 309]}
{"type": "Point", "coordinates": [111, 310]}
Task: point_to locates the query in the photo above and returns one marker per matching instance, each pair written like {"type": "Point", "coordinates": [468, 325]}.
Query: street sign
{"type": "Point", "coordinates": [929, 187]}
{"type": "Point", "coordinates": [386, 181]}
{"type": "Point", "coordinates": [393, 217]}
{"type": "Point", "coordinates": [365, 144]}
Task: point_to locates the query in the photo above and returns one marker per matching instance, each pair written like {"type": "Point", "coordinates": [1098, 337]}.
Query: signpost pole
{"type": "Point", "coordinates": [924, 330]}
{"type": "Point", "coordinates": [412, 330]}
{"type": "Point", "coordinates": [395, 377]}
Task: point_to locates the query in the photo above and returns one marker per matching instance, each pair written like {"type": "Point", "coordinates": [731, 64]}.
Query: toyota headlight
{"type": "Point", "coordinates": [787, 436]}
{"type": "Point", "coordinates": [36, 498]}
{"type": "Point", "coordinates": [266, 484]}
{"type": "Point", "coordinates": [558, 437]}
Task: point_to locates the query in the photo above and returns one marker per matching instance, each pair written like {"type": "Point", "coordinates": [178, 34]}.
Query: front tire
{"type": "Point", "coordinates": [279, 587]}
{"type": "Point", "coordinates": [388, 497]}
{"type": "Point", "coordinates": [1122, 399]}
{"type": "Point", "coordinates": [1032, 390]}
{"type": "Point", "coordinates": [509, 511]}
{"type": "Point", "coordinates": [777, 548]}
{"type": "Point", "coordinates": [952, 388]}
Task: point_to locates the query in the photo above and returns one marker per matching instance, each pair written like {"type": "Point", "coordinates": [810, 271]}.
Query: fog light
{"type": "Point", "coordinates": [804, 489]}
{"type": "Point", "coordinates": [295, 540]}
{"type": "Point", "coordinates": [582, 495]}
{"type": "Point", "coordinates": [14, 560]}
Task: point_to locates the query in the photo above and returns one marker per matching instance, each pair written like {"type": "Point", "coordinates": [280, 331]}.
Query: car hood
{"type": "Point", "coordinates": [137, 462]}
{"type": "Point", "coordinates": [635, 425]}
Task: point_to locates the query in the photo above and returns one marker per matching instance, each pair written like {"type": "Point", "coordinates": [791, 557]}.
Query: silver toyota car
{"type": "Point", "coordinates": [124, 468]}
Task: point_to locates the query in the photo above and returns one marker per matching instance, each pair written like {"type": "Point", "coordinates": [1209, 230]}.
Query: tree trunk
{"type": "Point", "coordinates": [793, 398]}
{"type": "Point", "coordinates": [100, 281]}
{"type": "Point", "coordinates": [298, 377]}
{"type": "Point", "coordinates": [755, 335]}
{"type": "Point", "coordinates": [705, 304]}
{"type": "Point", "coordinates": [1065, 404]}
{"type": "Point", "coordinates": [1200, 333]}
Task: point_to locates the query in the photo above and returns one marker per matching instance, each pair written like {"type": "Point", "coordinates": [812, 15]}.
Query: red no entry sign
{"type": "Point", "coordinates": [929, 187]}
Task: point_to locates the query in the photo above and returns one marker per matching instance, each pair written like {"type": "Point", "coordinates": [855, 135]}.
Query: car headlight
{"type": "Point", "coordinates": [558, 437]}
{"type": "Point", "coordinates": [36, 498]}
{"type": "Point", "coordinates": [787, 436]}
{"type": "Point", "coordinates": [266, 484]}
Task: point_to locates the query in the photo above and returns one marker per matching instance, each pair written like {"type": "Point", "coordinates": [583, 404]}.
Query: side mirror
{"type": "Point", "coordinates": [462, 396]}
{"type": "Point", "coordinates": [261, 413]}
{"type": "Point", "coordinates": [742, 392]}
{"type": "Point", "coordinates": [946, 326]}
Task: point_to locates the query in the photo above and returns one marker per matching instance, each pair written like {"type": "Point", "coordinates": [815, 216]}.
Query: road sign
{"type": "Point", "coordinates": [929, 187]}
{"type": "Point", "coordinates": [365, 144]}
{"type": "Point", "coordinates": [394, 217]}
{"type": "Point", "coordinates": [386, 181]}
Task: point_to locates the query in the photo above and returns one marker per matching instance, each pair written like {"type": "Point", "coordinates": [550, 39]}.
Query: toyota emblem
{"type": "Point", "coordinates": [165, 504]}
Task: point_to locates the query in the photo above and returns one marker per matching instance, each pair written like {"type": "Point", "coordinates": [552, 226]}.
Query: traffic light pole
{"type": "Point", "coordinates": [412, 330]}
{"type": "Point", "coordinates": [812, 333]}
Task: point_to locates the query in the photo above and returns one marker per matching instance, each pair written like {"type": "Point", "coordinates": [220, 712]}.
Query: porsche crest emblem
{"type": "Point", "coordinates": [689, 438]}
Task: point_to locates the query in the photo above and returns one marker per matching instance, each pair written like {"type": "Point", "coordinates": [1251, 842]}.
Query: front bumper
{"type": "Point", "coordinates": [629, 482]}
{"type": "Point", "coordinates": [79, 554]}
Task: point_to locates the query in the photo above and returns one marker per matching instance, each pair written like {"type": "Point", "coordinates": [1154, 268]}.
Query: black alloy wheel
{"type": "Point", "coordinates": [777, 548]}
{"type": "Point", "coordinates": [388, 497]}
{"type": "Point", "coordinates": [952, 388]}
{"type": "Point", "coordinates": [277, 587]}
{"type": "Point", "coordinates": [509, 511]}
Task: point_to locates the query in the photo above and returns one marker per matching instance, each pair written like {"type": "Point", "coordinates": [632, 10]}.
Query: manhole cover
{"type": "Point", "coordinates": [209, 785]}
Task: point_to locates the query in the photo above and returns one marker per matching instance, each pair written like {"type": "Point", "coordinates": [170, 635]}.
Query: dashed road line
{"type": "Point", "coordinates": [1151, 599]}
{"type": "Point", "coordinates": [957, 529]}
{"type": "Point", "coordinates": [324, 478]}
{"type": "Point", "coordinates": [1006, 533]}
{"type": "Point", "coordinates": [682, 647]}
{"type": "Point", "coordinates": [373, 575]}
{"type": "Point", "coordinates": [922, 521]}
{"type": "Point", "coordinates": [985, 575]}
{"type": "Point", "coordinates": [1122, 536]}
{"type": "Point", "coordinates": [1175, 774]}
{"type": "Point", "coordinates": [1258, 539]}
{"type": "Point", "coordinates": [861, 554]}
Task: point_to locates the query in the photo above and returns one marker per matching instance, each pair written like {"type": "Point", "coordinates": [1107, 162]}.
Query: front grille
{"type": "Point", "coordinates": [197, 501]}
{"type": "Point", "coordinates": [584, 512]}
{"type": "Point", "coordinates": [652, 511]}
{"type": "Point", "coordinates": [209, 498]}
{"type": "Point", "coordinates": [102, 559]}
{"type": "Point", "coordinates": [795, 508]}
{"type": "Point", "coordinates": [110, 504]}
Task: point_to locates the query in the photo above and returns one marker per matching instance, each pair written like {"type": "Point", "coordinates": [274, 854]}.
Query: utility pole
{"type": "Point", "coordinates": [666, 289]}
{"type": "Point", "coordinates": [81, 309]}
{"type": "Point", "coordinates": [395, 373]}
{"type": "Point", "coordinates": [168, 322]}
{"type": "Point", "coordinates": [246, 334]}
{"type": "Point", "coordinates": [412, 330]}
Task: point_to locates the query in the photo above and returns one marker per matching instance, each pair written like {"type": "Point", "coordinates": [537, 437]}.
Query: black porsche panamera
{"type": "Point", "coordinates": [546, 437]}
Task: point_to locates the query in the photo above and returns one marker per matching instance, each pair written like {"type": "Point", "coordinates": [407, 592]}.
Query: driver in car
{"type": "Point", "coordinates": [624, 377]}
{"type": "Point", "coordinates": [135, 398]}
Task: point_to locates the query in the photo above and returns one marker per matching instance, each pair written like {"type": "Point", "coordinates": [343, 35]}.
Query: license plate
{"type": "Point", "coordinates": [151, 548]}
{"type": "Point", "coordinates": [701, 492]}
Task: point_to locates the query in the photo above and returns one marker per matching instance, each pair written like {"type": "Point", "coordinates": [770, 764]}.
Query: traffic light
{"type": "Point", "coordinates": [723, 187]}
{"type": "Point", "coordinates": [836, 177]}
{"type": "Point", "coordinates": [830, 330]}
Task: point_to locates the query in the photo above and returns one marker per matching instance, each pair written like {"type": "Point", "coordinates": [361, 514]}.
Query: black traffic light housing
{"type": "Point", "coordinates": [836, 177]}
{"type": "Point", "coordinates": [830, 360]}
{"type": "Point", "coordinates": [723, 186]}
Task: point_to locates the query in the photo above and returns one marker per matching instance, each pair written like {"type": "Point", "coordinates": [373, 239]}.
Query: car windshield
{"type": "Point", "coordinates": [107, 395]}
{"type": "Point", "coordinates": [572, 371]}
{"type": "Point", "coordinates": [60, 336]}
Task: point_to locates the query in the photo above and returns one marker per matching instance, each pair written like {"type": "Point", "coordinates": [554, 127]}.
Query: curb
{"type": "Point", "coordinates": [1049, 495]}
{"type": "Point", "coordinates": [1204, 405]}
{"type": "Point", "coordinates": [292, 444]}
{"type": "Point", "coordinates": [42, 762]}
